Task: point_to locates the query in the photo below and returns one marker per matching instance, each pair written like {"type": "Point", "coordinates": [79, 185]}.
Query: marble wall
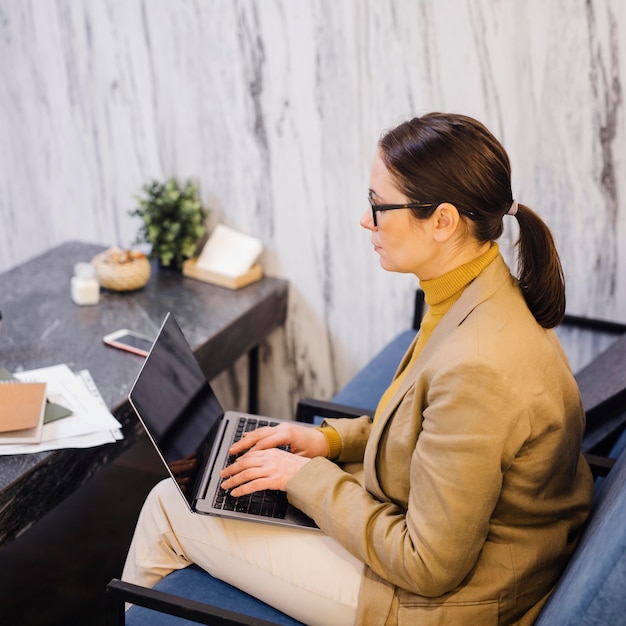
{"type": "Point", "coordinates": [275, 107]}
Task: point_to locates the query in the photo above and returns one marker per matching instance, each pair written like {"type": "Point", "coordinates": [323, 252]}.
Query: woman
{"type": "Point", "coordinates": [472, 490]}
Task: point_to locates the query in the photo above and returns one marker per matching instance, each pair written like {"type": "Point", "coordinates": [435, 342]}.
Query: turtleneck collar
{"type": "Point", "coordinates": [446, 289]}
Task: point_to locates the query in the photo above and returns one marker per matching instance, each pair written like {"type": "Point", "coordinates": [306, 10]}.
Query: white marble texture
{"type": "Point", "coordinates": [275, 106]}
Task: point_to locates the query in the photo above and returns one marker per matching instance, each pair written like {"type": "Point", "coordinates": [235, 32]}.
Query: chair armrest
{"type": "Point", "coordinates": [590, 323]}
{"type": "Point", "coordinates": [119, 592]}
{"type": "Point", "coordinates": [308, 408]}
{"type": "Point", "coordinates": [600, 465]}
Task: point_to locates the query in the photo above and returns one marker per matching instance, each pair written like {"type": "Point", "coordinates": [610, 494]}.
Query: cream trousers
{"type": "Point", "coordinates": [303, 573]}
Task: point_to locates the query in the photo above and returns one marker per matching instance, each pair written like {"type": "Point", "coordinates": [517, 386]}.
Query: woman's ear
{"type": "Point", "coordinates": [446, 222]}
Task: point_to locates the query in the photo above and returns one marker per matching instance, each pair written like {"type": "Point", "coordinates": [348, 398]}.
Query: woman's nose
{"type": "Point", "coordinates": [367, 221]}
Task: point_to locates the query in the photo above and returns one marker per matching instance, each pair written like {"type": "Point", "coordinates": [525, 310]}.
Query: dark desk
{"type": "Point", "coordinates": [42, 326]}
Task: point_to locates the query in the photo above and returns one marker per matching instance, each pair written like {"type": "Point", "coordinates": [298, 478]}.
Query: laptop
{"type": "Point", "coordinates": [181, 415]}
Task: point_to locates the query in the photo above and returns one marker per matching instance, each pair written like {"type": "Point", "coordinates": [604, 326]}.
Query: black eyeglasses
{"type": "Point", "coordinates": [393, 207]}
{"type": "Point", "coordinates": [409, 205]}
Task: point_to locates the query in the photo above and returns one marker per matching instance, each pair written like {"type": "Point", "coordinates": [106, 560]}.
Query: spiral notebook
{"type": "Point", "coordinates": [22, 407]}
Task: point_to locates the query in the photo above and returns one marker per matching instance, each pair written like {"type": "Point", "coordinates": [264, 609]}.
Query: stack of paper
{"type": "Point", "coordinates": [87, 422]}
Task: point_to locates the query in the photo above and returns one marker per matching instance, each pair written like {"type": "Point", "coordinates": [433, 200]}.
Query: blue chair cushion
{"type": "Point", "coordinates": [365, 389]}
{"type": "Point", "coordinates": [619, 445]}
{"type": "Point", "coordinates": [591, 590]}
{"type": "Point", "coordinates": [196, 584]}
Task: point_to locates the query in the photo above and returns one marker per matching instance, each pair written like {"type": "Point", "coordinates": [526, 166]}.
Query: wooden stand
{"type": "Point", "coordinates": [191, 270]}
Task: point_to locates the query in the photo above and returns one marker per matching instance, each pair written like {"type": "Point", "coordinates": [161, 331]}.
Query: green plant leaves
{"type": "Point", "coordinates": [173, 218]}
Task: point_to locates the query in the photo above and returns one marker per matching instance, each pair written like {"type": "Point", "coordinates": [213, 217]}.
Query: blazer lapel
{"type": "Point", "coordinates": [479, 290]}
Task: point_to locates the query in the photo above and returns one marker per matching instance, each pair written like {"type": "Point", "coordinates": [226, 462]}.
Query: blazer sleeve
{"type": "Point", "coordinates": [472, 427]}
{"type": "Point", "coordinates": [354, 434]}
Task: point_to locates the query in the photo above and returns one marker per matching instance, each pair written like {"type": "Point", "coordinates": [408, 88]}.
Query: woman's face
{"type": "Point", "coordinates": [401, 241]}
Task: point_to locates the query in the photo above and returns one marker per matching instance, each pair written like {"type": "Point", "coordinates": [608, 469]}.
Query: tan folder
{"type": "Point", "coordinates": [22, 408]}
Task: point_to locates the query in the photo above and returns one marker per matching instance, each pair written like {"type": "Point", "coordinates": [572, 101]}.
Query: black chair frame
{"type": "Point", "coordinates": [119, 592]}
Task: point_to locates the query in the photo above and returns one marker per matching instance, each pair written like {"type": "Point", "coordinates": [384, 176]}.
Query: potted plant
{"type": "Point", "coordinates": [174, 220]}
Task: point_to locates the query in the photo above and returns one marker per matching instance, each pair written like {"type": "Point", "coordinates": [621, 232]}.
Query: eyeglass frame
{"type": "Point", "coordinates": [409, 205]}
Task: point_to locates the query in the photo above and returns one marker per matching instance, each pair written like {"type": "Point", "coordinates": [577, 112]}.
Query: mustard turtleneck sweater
{"type": "Point", "coordinates": [439, 294]}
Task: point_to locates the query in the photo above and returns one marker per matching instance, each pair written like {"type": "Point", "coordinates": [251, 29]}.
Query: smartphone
{"type": "Point", "coordinates": [129, 340]}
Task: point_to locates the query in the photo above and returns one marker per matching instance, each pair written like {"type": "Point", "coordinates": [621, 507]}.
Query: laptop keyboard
{"type": "Point", "coordinates": [265, 503]}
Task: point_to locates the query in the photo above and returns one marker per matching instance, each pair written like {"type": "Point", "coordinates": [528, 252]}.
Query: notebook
{"type": "Point", "coordinates": [52, 410]}
{"type": "Point", "coordinates": [181, 414]}
{"type": "Point", "coordinates": [22, 408]}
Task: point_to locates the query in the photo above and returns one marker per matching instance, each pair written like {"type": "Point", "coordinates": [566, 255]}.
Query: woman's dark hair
{"type": "Point", "coordinates": [442, 157]}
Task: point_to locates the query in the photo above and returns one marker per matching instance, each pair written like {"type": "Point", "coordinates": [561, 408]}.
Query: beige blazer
{"type": "Point", "coordinates": [474, 489]}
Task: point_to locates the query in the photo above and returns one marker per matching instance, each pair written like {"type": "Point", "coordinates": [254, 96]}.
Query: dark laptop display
{"type": "Point", "coordinates": [181, 414]}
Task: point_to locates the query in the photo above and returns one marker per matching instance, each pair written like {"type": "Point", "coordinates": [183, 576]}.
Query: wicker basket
{"type": "Point", "coordinates": [122, 270]}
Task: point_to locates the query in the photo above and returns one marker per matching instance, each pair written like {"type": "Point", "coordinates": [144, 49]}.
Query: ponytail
{"type": "Point", "coordinates": [539, 269]}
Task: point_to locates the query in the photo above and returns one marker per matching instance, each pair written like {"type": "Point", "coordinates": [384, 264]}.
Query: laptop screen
{"type": "Point", "coordinates": [172, 396]}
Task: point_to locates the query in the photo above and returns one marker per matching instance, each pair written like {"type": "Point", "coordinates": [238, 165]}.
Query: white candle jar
{"type": "Point", "coordinates": [85, 288]}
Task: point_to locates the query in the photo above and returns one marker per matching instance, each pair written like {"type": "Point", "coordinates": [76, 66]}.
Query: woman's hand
{"type": "Point", "coordinates": [302, 440]}
{"type": "Point", "coordinates": [264, 465]}
{"type": "Point", "coordinates": [261, 469]}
